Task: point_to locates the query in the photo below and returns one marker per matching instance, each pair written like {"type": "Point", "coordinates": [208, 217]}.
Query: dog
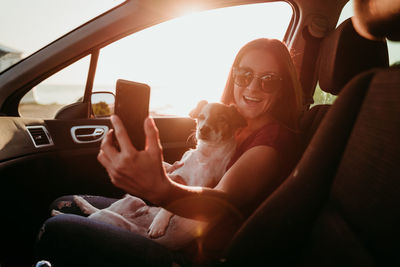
{"type": "Point", "coordinates": [202, 166]}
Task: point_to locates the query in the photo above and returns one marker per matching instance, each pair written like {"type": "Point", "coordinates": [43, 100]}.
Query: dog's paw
{"type": "Point", "coordinates": [155, 232]}
{"type": "Point", "coordinates": [157, 228]}
{"type": "Point", "coordinates": [85, 206]}
{"type": "Point", "coordinates": [55, 212]}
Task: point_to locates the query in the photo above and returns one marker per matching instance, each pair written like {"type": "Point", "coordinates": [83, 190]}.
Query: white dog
{"type": "Point", "coordinates": [203, 166]}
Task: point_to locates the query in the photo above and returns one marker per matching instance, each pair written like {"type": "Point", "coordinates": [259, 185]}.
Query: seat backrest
{"type": "Point", "coordinates": [342, 57]}
{"type": "Point", "coordinates": [360, 223]}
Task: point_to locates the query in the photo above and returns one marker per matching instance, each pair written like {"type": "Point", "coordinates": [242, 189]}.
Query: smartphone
{"type": "Point", "coordinates": [132, 107]}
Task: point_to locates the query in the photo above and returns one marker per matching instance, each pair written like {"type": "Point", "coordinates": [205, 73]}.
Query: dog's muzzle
{"type": "Point", "coordinates": [204, 132]}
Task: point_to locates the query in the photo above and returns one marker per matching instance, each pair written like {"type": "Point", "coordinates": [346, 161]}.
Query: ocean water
{"type": "Point", "coordinates": [55, 94]}
{"type": "Point", "coordinates": [163, 100]}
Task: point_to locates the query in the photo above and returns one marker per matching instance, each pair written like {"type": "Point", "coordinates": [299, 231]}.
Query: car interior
{"type": "Point", "coordinates": [338, 207]}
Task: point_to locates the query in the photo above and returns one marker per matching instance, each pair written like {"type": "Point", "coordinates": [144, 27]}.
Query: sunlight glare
{"type": "Point", "coordinates": [187, 59]}
{"type": "Point", "coordinates": [188, 10]}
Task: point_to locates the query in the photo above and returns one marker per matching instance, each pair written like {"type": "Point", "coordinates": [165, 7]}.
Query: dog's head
{"type": "Point", "coordinates": [216, 122]}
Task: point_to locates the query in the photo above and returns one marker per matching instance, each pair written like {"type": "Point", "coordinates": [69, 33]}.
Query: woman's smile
{"type": "Point", "coordinates": [251, 100]}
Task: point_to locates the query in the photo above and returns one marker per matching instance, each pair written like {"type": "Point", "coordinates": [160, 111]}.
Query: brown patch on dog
{"type": "Point", "coordinates": [225, 119]}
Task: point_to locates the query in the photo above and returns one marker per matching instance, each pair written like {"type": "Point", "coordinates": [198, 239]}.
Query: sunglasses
{"type": "Point", "coordinates": [269, 82]}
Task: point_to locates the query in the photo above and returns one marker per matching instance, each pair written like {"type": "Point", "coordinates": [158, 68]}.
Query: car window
{"type": "Point", "coordinates": [188, 59]}
{"type": "Point", "coordinates": [29, 25]}
{"type": "Point", "coordinates": [321, 97]}
{"type": "Point", "coordinates": [63, 88]}
{"type": "Point", "coordinates": [183, 60]}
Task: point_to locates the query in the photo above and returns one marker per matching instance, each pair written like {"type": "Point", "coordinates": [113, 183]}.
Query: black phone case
{"type": "Point", "coordinates": [132, 107]}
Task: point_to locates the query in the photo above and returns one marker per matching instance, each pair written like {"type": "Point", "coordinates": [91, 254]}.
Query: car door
{"type": "Point", "coordinates": [47, 157]}
{"type": "Point", "coordinates": [49, 147]}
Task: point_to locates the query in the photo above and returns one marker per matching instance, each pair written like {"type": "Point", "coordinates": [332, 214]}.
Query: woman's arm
{"type": "Point", "coordinates": [141, 173]}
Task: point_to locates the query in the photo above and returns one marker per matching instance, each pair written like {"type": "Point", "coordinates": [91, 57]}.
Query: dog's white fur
{"type": "Point", "coordinates": [203, 166]}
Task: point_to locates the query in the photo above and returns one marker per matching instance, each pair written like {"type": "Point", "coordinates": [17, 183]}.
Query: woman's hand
{"type": "Point", "coordinates": [139, 173]}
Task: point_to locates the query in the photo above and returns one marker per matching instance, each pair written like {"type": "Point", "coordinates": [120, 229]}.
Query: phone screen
{"type": "Point", "coordinates": [132, 107]}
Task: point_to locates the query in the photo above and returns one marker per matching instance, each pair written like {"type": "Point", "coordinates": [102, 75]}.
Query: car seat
{"type": "Point", "coordinates": [340, 205]}
{"type": "Point", "coordinates": [342, 56]}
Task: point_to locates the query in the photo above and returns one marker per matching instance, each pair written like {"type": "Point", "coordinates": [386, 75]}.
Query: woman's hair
{"type": "Point", "coordinates": [288, 104]}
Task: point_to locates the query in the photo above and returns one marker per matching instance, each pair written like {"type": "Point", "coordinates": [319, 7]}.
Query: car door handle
{"type": "Point", "coordinates": [88, 133]}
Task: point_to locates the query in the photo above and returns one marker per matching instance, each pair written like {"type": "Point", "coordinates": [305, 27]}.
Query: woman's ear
{"type": "Point", "coordinates": [238, 120]}
{"type": "Point", "coordinates": [196, 111]}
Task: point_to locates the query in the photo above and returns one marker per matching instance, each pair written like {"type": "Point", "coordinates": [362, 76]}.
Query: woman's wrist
{"type": "Point", "coordinates": [163, 195]}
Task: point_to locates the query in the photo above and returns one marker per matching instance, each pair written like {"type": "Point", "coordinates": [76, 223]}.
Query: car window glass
{"type": "Point", "coordinates": [29, 25]}
{"type": "Point", "coordinates": [63, 88]}
{"type": "Point", "coordinates": [321, 97]}
{"type": "Point", "coordinates": [188, 59]}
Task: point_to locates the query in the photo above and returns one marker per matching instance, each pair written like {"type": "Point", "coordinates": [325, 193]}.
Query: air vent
{"type": "Point", "coordinates": [40, 136]}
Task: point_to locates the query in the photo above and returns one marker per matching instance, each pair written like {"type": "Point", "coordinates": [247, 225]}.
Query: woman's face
{"type": "Point", "coordinates": [251, 100]}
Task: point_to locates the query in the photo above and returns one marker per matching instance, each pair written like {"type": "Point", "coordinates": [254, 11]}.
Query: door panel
{"type": "Point", "coordinates": [32, 177]}
{"type": "Point", "coordinates": [176, 136]}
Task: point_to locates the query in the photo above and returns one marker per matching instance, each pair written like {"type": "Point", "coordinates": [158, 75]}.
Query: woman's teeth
{"type": "Point", "coordinates": [252, 99]}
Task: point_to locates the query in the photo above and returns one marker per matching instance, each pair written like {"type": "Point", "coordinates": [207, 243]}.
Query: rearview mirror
{"type": "Point", "coordinates": [102, 104]}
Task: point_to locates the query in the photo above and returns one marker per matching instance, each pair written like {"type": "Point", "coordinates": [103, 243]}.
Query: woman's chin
{"type": "Point", "coordinates": [248, 115]}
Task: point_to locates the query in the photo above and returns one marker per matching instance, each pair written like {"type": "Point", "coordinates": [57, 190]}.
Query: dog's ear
{"type": "Point", "coordinates": [195, 112]}
{"type": "Point", "coordinates": [238, 121]}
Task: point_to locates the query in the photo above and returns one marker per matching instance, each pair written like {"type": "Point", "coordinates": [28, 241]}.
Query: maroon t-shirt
{"type": "Point", "coordinates": [277, 136]}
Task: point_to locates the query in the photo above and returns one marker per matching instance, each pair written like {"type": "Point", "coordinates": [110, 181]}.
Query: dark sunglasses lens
{"type": "Point", "coordinates": [269, 85]}
{"type": "Point", "coordinates": [242, 78]}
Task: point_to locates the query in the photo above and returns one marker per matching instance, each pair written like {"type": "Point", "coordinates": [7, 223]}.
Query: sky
{"type": "Point", "coordinates": [28, 25]}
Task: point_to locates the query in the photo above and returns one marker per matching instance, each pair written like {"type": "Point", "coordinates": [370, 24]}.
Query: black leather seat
{"type": "Point", "coordinates": [340, 206]}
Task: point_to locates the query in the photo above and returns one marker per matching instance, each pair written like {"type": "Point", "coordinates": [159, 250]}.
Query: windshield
{"type": "Point", "coordinates": [32, 25]}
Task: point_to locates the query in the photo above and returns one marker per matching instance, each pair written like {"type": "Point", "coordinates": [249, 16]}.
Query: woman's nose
{"type": "Point", "coordinates": [254, 84]}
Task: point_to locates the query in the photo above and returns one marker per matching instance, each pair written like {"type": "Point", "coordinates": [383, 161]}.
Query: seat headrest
{"type": "Point", "coordinates": [377, 19]}
{"type": "Point", "coordinates": [344, 54]}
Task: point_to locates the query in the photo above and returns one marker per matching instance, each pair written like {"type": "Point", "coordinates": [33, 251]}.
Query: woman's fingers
{"type": "Point", "coordinates": [107, 146]}
{"type": "Point", "coordinates": [122, 136]}
{"type": "Point", "coordinates": [152, 138]}
{"type": "Point", "coordinates": [107, 151]}
{"type": "Point", "coordinates": [104, 160]}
